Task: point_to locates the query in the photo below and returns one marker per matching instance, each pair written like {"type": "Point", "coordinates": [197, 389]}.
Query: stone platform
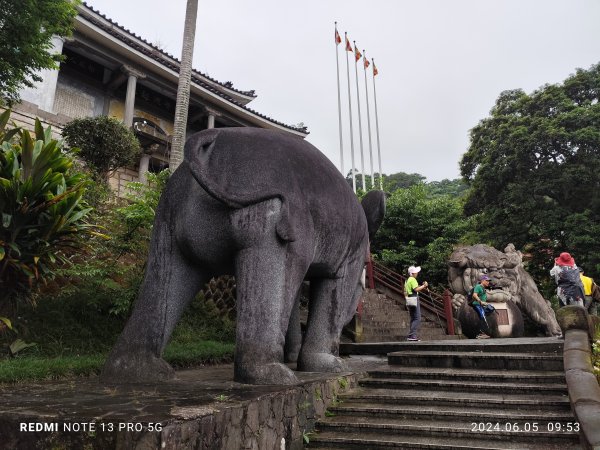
{"type": "Point", "coordinates": [200, 409]}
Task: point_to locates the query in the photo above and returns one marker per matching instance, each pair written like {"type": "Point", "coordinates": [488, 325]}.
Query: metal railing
{"type": "Point", "coordinates": [437, 306]}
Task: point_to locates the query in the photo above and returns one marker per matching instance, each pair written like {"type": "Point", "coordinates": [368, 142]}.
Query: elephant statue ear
{"type": "Point", "coordinates": [373, 204]}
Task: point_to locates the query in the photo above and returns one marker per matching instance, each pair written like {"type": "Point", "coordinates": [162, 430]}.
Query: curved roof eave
{"type": "Point", "coordinates": [202, 86]}
{"type": "Point", "coordinates": [107, 23]}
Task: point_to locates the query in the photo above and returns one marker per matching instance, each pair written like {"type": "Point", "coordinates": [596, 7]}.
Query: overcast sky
{"type": "Point", "coordinates": [442, 63]}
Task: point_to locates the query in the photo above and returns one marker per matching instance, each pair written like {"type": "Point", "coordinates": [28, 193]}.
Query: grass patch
{"type": "Point", "coordinates": [33, 368]}
{"type": "Point", "coordinates": [73, 338]}
{"type": "Point", "coordinates": [38, 368]}
{"type": "Point", "coordinates": [205, 352]}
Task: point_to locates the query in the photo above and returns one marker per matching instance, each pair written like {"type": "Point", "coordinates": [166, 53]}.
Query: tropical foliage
{"type": "Point", "coordinates": [421, 228]}
{"type": "Point", "coordinates": [41, 207]}
{"type": "Point", "coordinates": [26, 31]}
{"type": "Point", "coordinates": [534, 168]}
{"type": "Point", "coordinates": [109, 275]}
{"type": "Point", "coordinates": [104, 143]}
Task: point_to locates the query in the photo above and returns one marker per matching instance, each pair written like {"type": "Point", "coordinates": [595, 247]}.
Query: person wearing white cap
{"type": "Point", "coordinates": [411, 291]}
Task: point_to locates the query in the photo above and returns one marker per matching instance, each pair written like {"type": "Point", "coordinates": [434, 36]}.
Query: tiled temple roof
{"type": "Point", "coordinates": [150, 50]}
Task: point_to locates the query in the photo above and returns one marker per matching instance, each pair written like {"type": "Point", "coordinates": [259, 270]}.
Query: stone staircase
{"type": "Point", "coordinates": [386, 320]}
{"type": "Point", "coordinates": [492, 394]}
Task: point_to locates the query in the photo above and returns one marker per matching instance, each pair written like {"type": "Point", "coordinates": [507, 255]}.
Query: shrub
{"type": "Point", "coordinates": [41, 208]}
{"type": "Point", "coordinates": [104, 143]}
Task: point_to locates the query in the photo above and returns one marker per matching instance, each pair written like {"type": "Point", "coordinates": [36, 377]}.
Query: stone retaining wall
{"type": "Point", "coordinates": [278, 420]}
{"type": "Point", "coordinates": [584, 391]}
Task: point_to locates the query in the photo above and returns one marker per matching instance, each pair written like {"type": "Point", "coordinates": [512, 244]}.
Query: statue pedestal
{"type": "Point", "coordinates": [508, 318]}
{"type": "Point", "coordinates": [507, 321]}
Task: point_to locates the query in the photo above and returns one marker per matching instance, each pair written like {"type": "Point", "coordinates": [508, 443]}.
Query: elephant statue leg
{"type": "Point", "coordinates": [169, 285]}
{"type": "Point", "coordinates": [293, 338]}
{"type": "Point", "coordinates": [268, 276]}
{"type": "Point", "coordinates": [332, 305]}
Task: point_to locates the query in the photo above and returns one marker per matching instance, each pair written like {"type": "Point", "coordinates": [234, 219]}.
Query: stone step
{"type": "Point", "coordinates": [430, 398]}
{"type": "Point", "coordinates": [402, 333]}
{"type": "Point", "coordinates": [450, 412]}
{"type": "Point", "coordinates": [397, 324]}
{"type": "Point", "coordinates": [493, 431]}
{"type": "Point", "coordinates": [461, 385]}
{"type": "Point", "coordinates": [379, 339]}
{"type": "Point", "coordinates": [503, 345]}
{"type": "Point", "coordinates": [455, 427]}
{"type": "Point", "coordinates": [507, 345]}
{"type": "Point", "coordinates": [477, 360]}
{"type": "Point", "coordinates": [383, 303]}
{"type": "Point", "coordinates": [395, 318]}
{"type": "Point", "coordinates": [385, 318]}
{"type": "Point", "coordinates": [374, 441]}
{"type": "Point", "coordinates": [467, 394]}
{"type": "Point", "coordinates": [401, 330]}
{"type": "Point", "coordinates": [469, 375]}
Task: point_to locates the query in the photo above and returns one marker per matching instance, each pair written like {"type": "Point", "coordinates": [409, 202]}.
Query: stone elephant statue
{"type": "Point", "coordinates": [272, 210]}
{"type": "Point", "coordinates": [511, 280]}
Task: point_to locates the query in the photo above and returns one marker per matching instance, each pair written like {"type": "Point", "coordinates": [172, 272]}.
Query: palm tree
{"type": "Point", "coordinates": [183, 89]}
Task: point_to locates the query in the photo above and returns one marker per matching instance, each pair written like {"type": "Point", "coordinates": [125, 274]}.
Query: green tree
{"type": "Point", "coordinates": [401, 180]}
{"type": "Point", "coordinates": [26, 30]}
{"type": "Point", "coordinates": [41, 208]}
{"type": "Point", "coordinates": [421, 228]}
{"type": "Point", "coordinates": [104, 143]}
{"type": "Point", "coordinates": [534, 169]}
{"type": "Point", "coordinates": [456, 187]}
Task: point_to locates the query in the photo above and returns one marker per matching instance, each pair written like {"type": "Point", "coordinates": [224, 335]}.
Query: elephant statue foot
{"type": "Point", "coordinates": [271, 373]}
{"type": "Point", "coordinates": [321, 362]}
{"type": "Point", "coordinates": [138, 367]}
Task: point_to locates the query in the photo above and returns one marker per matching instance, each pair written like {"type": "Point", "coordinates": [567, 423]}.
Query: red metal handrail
{"type": "Point", "coordinates": [430, 301]}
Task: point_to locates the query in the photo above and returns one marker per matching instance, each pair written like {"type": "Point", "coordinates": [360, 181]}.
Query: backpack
{"type": "Point", "coordinates": [470, 296]}
{"type": "Point", "coordinates": [596, 293]}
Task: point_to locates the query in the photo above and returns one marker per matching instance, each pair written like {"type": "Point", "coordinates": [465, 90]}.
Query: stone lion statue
{"type": "Point", "coordinates": [510, 280]}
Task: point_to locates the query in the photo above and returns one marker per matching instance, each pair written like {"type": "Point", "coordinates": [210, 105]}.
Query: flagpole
{"type": "Point", "coordinates": [365, 65]}
{"type": "Point", "coordinates": [337, 66]}
{"type": "Point", "coordinates": [377, 128]}
{"type": "Point", "coordinates": [350, 110]}
{"type": "Point", "coordinates": [362, 156]}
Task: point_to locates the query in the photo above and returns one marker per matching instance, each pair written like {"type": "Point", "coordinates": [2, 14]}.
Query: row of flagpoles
{"type": "Point", "coordinates": [366, 63]}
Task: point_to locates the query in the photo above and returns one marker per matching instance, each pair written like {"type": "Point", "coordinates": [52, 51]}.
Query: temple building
{"type": "Point", "coordinates": [108, 70]}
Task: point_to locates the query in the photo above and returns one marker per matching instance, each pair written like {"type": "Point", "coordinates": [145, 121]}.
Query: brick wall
{"type": "Point", "coordinates": [119, 179]}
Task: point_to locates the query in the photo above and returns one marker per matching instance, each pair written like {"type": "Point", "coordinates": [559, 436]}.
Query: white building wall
{"type": "Point", "coordinates": [43, 92]}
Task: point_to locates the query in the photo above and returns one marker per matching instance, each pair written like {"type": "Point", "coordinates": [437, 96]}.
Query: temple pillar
{"type": "Point", "coordinates": [212, 114]}
{"type": "Point", "coordinates": [143, 169]}
{"type": "Point", "coordinates": [133, 76]}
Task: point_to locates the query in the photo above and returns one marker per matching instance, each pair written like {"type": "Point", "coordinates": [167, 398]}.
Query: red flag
{"type": "Point", "coordinates": [348, 46]}
{"type": "Point", "coordinates": [375, 71]}
{"type": "Point", "coordinates": [367, 63]}
{"type": "Point", "coordinates": [338, 39]}
{"type": "Point", "coordinates": [357, 53]}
